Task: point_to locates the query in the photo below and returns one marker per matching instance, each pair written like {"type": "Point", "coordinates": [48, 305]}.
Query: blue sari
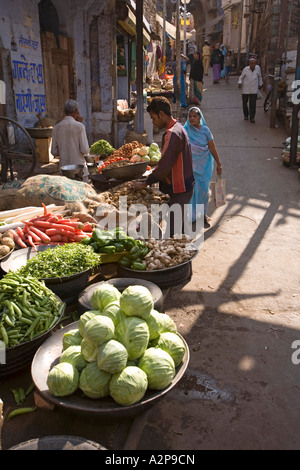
{"type": "Point", "coordinates": [203, 164]}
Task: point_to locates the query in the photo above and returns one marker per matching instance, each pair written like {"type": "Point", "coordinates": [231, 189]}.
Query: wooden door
{"type": "Point", "coordinates": [58, 64]}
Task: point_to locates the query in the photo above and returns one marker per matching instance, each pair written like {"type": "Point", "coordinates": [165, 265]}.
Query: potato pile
{"type": "Point", "coordinates": [146, 196]}
{"type": "Point", "coordinates": [7, 243]}
{"type": "Point", "coordinates": [168, 252]}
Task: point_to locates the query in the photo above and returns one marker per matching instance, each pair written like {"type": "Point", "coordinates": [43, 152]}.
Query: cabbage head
{"type": "Point", "coordinates": [99, 329]}
{"type": "Point", "coordinates": [136, 301]}
{"type": "Point", "coordinates": [172, 344]}
{"type": "Point", "coordinates": [114, 312]}
{"type": "Point", "coordinates": [88, 350]}
{"type": "Point", "coordinates": [63, 379]}
{"type": "Point", "coordinates": [133, 333]}
{"type": "Point", "coordinates": [159, 367]}
{"type": "Point", "coordinates": [84, 318]}
{"type": "Point", "coordinates": [112, 356]}
{"type": "Point", "coordinates": [103, 295]}
{"type": "Point", "coordinates": [166, 323]}
{"type": "Point", "coordinates": [128, 386]}
{"type": "Point", "coordinates": [94, 382]}
{"type": "Point", "coordinates": [154, 324]}
{"type": "Point", "coordinates": [71, 338]}
{"type": "Point", "coordinates": [74, 356]}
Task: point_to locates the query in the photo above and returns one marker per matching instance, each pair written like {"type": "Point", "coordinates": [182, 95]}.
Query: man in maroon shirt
{"type": "Point", "coordinates": [174, 171]}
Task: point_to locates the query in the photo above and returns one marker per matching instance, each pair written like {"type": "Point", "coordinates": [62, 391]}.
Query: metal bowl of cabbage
{"type": "Point", "coordinates": [48, 356]}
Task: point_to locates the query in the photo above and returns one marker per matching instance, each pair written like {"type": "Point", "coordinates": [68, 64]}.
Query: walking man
{"type": "Point", "coordinates": [249, 82]}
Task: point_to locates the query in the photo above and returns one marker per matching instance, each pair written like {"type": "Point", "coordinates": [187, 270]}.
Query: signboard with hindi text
{"type": "Point", "coordinates": [28, 79]}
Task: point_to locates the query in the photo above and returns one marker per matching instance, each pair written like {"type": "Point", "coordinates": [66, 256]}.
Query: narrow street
{"type": "Point", "coordinates": [239, 313]}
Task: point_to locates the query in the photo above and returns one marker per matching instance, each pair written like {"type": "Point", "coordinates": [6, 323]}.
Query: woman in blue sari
{"type": "Point", "coordinates": [204, 153]}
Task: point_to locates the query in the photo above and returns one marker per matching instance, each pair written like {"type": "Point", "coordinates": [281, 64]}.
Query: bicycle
{"type": "Point", "coordinates": [17, 151]}
{"type": "Point", "coordinates": [269, 98]}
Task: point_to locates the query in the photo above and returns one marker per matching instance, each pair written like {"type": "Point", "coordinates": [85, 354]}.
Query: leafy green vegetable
{"type": "Point", "coordinates": [103, 295]}
{"type": "Point", "coordinates": [63, 379]}
{"type": "Point", "coordinates": [172, 344]}
{"type": "Point", "coordinates": [94, 382]}
{"type": "Point", "coordinates": [71, 338]}
{"type": "Point", "coordinates": [112, 356]}
{"type": "Point", "coordinates": [128, 386]}
{"type": "Point", "coordinates": [133, 333]}
{"type": "Point", "coordinates": [159, 367]}
{"type": "Point", "coordinates": [101, 147]}
{"type": "Point", "coordinates": [136, 301]}
{"type": "Point", "coordinates": [61, 261]}
{"type": "Point", "coordinates": [89, 350]}
{"type": "Point", "coordinates": [84, 318]}
{"type": "Point", "coordinates": [74, 356]}
{"type": "Point", "coordinates": [99, 329]}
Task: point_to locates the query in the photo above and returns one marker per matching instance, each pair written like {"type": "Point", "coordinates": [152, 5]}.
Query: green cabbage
{"type": "Point", "coordinates": [74, 356]}
{"type": "Point", "coordinates": [153, 324]}
{"type": "Point", "coordinates": [159, 367]}
{"type": "Point", "coordinates": [128, 386]}
{"type": "Point", "coordinates": [114, 312]}
{"type": "Point", "coordinates": [136, 301]}
{"type": "Point", "coordinates": [112, 356]}
{"type": "Point", "coordinates": [94, 382]}
{"type": "Point", "coordinates": [84, 318]}
{"type": "Point", "coordinates": [71, 338]}
{"type": "Point", "coordinates": [63, 379]}
{"type": "Point", "coordinates": [166, 323]}
{"type": "Point", "coordinates": [103, 295]}
{"type": "Point", "coordinates": [172, 344]}
{"type": "Point", "coordinates": [88, 350]}
{"type": "Point", "coordinates": [99, 329]}
{"type": "Point", "coordinates": [154, 146]}
{"type": "Point", "coordinates": [133, 333]}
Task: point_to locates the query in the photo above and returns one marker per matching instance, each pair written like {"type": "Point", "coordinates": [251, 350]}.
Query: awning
{"type": "Point", "coordinates": [171, 29]}
{"type": "Point", "coordinates": [129, 25]}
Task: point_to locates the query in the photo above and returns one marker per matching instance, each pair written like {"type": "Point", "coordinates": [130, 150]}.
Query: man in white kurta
{"type": "Point", "coordinates": [250, 81]}
{"type": "Point", "coordinates": [69, 139]}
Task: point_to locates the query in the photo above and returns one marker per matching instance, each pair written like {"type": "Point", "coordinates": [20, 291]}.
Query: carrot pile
{"type": "Point", "coordinates": [50, 229]}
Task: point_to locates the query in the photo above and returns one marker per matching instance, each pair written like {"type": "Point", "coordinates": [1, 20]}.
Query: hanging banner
{"type": "Point", "coordinates": [28, 79]}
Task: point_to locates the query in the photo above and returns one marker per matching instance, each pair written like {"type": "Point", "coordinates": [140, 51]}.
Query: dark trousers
{"type": "Point", "coordinates": [182, 199]}
{"type": "Point", "coordinates": [252, 105]}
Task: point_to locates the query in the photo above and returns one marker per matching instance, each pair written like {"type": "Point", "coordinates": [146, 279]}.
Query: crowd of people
{"type": "Point", "coordinates": [189, 152]}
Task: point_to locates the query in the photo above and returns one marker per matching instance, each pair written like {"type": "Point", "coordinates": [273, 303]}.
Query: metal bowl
{"type": "Point", "coordinates": [19, 357]}
{"type": "Point", "coordinates": [74, 172]}
{"type": "Point", "coordinates": [90, 158]}
{"type": "Point", "coordinates": [39, 132]}
{"type": "Point", "coordinates": [132, 170]}
{"type": "Point", "coordinates": [66, 287]}
{"type": "Point", "coordinates": [48, 355]}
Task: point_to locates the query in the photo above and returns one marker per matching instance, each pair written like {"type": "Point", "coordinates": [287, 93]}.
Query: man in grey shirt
{"type": "Point", "coordinates": [69, 139]}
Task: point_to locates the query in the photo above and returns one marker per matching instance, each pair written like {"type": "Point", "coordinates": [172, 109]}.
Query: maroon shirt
{"type": "Point", "coordinates": [174, 171]}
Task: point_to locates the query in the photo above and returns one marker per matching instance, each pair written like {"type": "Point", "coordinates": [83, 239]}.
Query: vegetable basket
{"type": "Point", "coordinates": [48, 355]}
{"type": "Point", "coordinates": [19, 357]}
{"type": "Point", "coordinates": [64, 287]}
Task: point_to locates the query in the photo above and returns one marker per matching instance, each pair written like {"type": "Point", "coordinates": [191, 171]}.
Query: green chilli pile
{"type": "Point", "coordinates": [28, 309]}
{"type": "Point", "coordinates": [121, 348]}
